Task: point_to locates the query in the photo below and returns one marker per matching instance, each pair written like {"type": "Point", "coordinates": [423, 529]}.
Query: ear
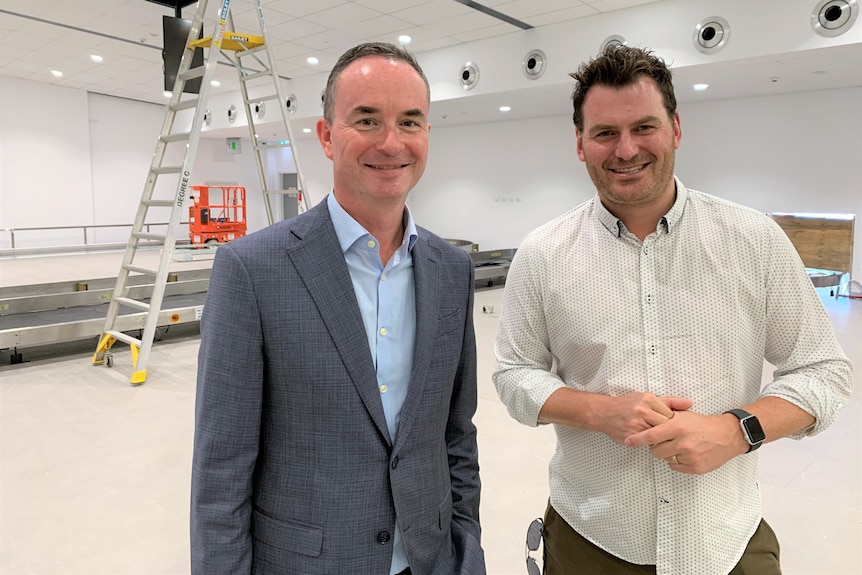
{"type": "Point", "coordinates": [677, 131]}
{"type": "Point", "coordinates": [324, 134]}
{"type": "Point", "coordinates": [580, 141]}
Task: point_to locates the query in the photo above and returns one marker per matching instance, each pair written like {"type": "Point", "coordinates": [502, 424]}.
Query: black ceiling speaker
{"type": "Point", "coordinates": [290, 103]}
{"type": "Point", "coordinates": [533, 64]}
{"type": "Point", "coordinates": [834, 17]}
{"type": "Point", "coordinates": [468, 77]}
{"type": "Point", "coordinates": [615, 40]}
{"type": "Point", "coordinates": [711, 35]}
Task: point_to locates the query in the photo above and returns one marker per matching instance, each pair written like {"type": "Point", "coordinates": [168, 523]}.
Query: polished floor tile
{"type": "Point", "coordinates": [94, 473]}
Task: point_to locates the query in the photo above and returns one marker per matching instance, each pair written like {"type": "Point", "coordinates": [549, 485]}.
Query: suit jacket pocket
{"type": "Point", "coordinates": [295, 536]}
{"type": "Point", "coordinates": [449, 322]}
{"type": "Point", "coordinates": [445, 513]}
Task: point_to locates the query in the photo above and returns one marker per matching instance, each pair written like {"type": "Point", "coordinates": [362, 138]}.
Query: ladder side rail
{"type": "Point", "coordinates": [120, 286]}
{"type": "Point", "coordinates": [285, 114]}
{"type": "Point", "coordinates": [160, 282]}
{"type": "Point", "coordinates": [252, 129]}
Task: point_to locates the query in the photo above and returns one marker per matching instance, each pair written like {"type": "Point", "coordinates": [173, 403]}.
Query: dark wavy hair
{"type": "Point", "coordinates": [619, 66]}
{"type": "Point", "coordinates": [377, 49]}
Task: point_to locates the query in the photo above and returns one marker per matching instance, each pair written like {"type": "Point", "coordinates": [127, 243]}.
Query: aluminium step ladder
{"type": "Point", "coordinates": [254, 60]}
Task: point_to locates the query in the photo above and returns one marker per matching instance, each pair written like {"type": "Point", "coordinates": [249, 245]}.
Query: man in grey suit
{"type": "Point", "coordinates": [337, 368]}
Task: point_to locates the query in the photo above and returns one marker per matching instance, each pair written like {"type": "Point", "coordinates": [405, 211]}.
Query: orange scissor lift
{"type": "Point", "coordinates": [217, 214]}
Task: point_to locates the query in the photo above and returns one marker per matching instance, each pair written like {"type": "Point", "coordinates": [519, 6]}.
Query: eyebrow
{"type": "Point", "coordinates": [639, 122]}
{"type": "Point", "coordinates": [412, 113]}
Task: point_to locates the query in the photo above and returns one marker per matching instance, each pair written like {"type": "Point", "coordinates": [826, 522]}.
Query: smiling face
{"type": "Point", "coordinates": [628, 144]}
{"type": "Point", "coordinates": [378, 137]}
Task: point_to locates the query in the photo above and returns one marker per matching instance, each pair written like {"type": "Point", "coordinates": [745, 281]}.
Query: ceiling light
{"type": "Point", "coordinates": [404, 39]}
{"type": "Point", "coordinates": [505, 108]}
{"type": "Point", "coordinates": [167, 94]}
{"type": "Point", "coordinates": [312, 60]}
{"type": "Point", "coordinates": [215, 83]}
{"type": "Point", "coordinates": [56, 73]}
{"type": "Point", "coordinates": [700, 87]}
{"type": "Point", "coordinates": [306, 130]}
{"type": "Point", "coordinates": [96, 58]}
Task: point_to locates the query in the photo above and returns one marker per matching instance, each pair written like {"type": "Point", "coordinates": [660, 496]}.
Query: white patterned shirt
{"type": "Point", "coordinates": [691, 311]}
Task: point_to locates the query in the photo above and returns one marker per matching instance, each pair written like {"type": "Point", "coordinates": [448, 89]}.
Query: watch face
{"type": "Point", "coordinates": [753, 430]}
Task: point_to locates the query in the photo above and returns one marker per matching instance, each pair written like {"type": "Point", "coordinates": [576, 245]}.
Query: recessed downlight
{"type": "Point", "coordinates": [215, 83]}
{"type": "Point", "coordinates": [312, 61]}
{"type": "Point", "coordinates": [96, 58]}
{"type": "Point", "coordinates": [505, 108]}
{"type": "Point", "coordinates": [167, 94]}
{"type": "Point", "coordinates": [57, 73]}
{"type": "Point", "coordinates": [404, 39]}
{"type": "Point", "coordinates": [306, 130]}
{"type": "Point", "coordinates": [700, 87]}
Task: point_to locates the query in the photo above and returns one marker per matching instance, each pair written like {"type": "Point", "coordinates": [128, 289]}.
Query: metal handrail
{"type": "Point", "coordinates": [84, 228]}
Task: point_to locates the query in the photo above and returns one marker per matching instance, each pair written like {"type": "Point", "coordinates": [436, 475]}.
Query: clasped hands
{"type": "Point", "coordinates": [690, 442]}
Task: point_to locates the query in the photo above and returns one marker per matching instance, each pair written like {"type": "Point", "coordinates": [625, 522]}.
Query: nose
{"type": "Point", "coordinates": [626, 147]}
{"type": "Point", "coordinates": [390, 141]}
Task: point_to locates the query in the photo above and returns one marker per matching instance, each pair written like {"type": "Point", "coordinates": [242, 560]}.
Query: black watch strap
{"type": "Point", "coordinates": [752, 431]}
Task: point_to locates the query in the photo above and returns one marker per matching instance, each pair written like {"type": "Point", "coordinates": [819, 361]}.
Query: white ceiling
{"type": "Point", "coordinates": [37, 36]}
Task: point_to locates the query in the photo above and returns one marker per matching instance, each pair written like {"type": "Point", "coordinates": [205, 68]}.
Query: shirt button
{"type": "Point", "coordinates": [383, 537]}
{"type": "Point", "coordinates": [394, 462]}
{"type": "Point", "coordinates": [371, 243]}
{"type": "Point", "coordinates": [383, 331]}
{"type": "Point", "coordinates": [383, 278]}
{"type": "Point", "coordinates": [383, 389]}
{"type": "Point", "coordinates": [646, 250]}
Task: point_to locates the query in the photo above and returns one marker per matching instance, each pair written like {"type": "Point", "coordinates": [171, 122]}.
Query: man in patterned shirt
{"type": "Point", "coordinates": [637, 323]}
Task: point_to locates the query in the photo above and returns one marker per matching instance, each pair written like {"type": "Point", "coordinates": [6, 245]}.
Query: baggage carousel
{"type": "Point", "coordinates": [57, 312]}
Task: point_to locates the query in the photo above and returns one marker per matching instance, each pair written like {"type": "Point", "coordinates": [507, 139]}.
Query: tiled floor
{"type": "Point", "coordinates": [94, 473]}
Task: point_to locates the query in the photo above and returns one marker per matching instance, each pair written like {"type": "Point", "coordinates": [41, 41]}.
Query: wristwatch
{"type": "Point", "coordinates": [751, 429]}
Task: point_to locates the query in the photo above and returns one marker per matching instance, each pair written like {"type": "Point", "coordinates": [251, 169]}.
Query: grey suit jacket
{"type": "Point", "coordinates": [294, 471]}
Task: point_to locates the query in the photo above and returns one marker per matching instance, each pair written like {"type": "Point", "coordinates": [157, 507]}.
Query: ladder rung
{"type": "Point", "coordinates": [291, 192]}
{"type": "Point", "coordinates": [178, 137]}
{"type": "Point", "coordinates": [125, 338]}
{"type": "Point", "coordinates": [149, 236]}
{"type": "Point", "coordinates": [252, 101]}
{"type": "Point", "coordinates": [256, 75]}
{"type": "Point", "coordinates": [248, 51]}
{"type": "Point", "coordinates": [193, 73]}
{"type": "Point", "coordinates": [167, 170]}
{"type": "Point", "coordinates": [133, 303]}
{"type": "Point", "coordinates": [159, 203]}
{"type": "Point", "coordinates": [140, 270]}
{"type": "Point", "coordinates": [185, 104]}
{"type": "Point", "coordinates": [271, 146]}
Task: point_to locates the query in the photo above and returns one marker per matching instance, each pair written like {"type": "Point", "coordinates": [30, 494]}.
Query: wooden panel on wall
{"type": "Point", "coordinates": [824, 241]}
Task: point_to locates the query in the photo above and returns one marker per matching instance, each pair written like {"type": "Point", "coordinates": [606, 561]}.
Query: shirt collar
{"type": "Point", "coordinates": [669, 220]}
{"type": "Point", "coordinates": [348, 230]}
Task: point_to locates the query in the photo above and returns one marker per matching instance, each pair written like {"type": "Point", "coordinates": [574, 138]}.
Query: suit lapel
{"type": "Point", "coordinates": [427, 303]}
{"type": "Point", "coordinates": [318, 259]}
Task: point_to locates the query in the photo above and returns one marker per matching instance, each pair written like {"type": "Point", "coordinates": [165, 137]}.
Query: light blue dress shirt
{"type": "Point", "coordinates": [387, 301]}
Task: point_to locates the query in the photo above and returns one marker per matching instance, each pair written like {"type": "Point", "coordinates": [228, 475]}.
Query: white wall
{"type": "Point", "coordinates": [44, 138]}
{"type": "Point", "coordinates": [786, 153]}
{"type": "Point", "coordinates": [85, 162]}
{"type": "Point", "coordinates": [72, 158]}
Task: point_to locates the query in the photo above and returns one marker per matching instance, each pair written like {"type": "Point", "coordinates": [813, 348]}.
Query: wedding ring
{"type": "Point", "coordinates": [674, 460]}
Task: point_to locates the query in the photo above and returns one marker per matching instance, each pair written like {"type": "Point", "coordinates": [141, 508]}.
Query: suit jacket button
{"type": "Point", "coordinates": [383, 537]}
{"type": "Point", "coordinates": [394, 462]}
